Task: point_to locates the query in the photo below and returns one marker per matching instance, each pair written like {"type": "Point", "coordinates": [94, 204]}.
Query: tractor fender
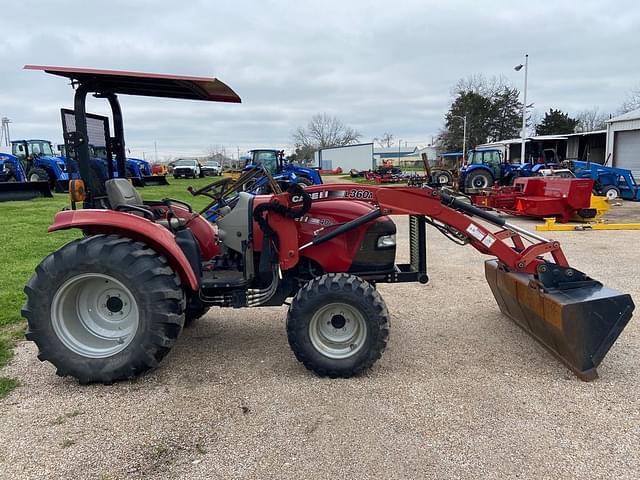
{"type": "Point", "coordinates": [110, 222]}
{"type": "Point", "coordinates": [310, 173]}
{"type": "Point", "coordinates": [473, 168]}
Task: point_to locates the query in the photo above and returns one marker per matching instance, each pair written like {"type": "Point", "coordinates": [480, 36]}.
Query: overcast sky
{"type": "Point", "coordinates": [378, 66]}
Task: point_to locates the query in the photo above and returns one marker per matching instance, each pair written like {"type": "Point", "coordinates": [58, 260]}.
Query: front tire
{"type": "Point", "coordinates": [104, 308]}
{"type": "Point", "coordinates": [611, 192]}
{"type": "Point", "coordinates": [338, 325]}
{"type": "Point", "coordinates": [305, 181]}
{"type": "Point", "coordinates": [38, 175]}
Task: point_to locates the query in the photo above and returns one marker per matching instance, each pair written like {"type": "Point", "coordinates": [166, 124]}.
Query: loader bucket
{"type": "Point", "coordinates": [578, 325]}
{"type": "Point", "coordinates": [23, 190]}
{"type": "Point", "coordinates": [62, 186]}
{"type": "Point", "coordinates": [137, 181]}
{"type": "Point", "coordinates": [155, 180]}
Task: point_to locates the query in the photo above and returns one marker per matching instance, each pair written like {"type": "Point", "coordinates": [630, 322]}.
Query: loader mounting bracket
{"type": "Point", "coordinates": [551, 275]}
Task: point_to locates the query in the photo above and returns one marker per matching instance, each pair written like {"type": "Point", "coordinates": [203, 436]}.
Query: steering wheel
{"type": "Point", "coordinates": [213, 190]}
{"type": "Point", "coordinates": [225, 191]}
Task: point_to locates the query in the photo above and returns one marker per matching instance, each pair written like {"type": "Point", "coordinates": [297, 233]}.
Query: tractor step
{"type": "Point", "coordinates": [223, 279]}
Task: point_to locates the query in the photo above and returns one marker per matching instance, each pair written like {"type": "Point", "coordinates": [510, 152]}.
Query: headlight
{"type": "Point", "coordinates": [386, 241]}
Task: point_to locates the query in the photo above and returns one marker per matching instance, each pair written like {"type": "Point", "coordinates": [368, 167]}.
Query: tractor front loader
{"type": "Point", "coordinates": [110, 305]}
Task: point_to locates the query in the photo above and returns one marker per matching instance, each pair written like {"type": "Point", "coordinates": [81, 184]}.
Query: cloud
{"type": "Point", "coordinates": [378, 66]}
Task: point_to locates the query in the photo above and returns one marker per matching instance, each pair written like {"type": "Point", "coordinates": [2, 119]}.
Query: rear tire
{"type": "Point", "coordinates": [104, 308]}
{"type": "Point", "coordinates": [479, 179]}
{"type": "Point", "coordinates": [338, 325]}
{"type": "Point", "coordinates": [442, 177]}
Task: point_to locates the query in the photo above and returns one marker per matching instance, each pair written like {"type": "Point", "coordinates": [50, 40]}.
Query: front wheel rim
{"type": "Point", "coordinates": [338, 330]}
{"type": "Point", "coordinates": [94, 315]}
{"type": "Point", "coordinates": [612, 194]}
{"type": "Point", "coordinates": [34, 177]}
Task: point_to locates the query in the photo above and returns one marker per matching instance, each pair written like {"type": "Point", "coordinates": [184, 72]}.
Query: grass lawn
{"type": "Point", "coordinates": [25, 242]}
{"type": "Point", "coordinates": [361, 180]}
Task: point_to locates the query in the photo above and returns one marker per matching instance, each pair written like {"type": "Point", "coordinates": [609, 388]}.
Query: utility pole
{"type": "Point", "coordinates": [517, 68]}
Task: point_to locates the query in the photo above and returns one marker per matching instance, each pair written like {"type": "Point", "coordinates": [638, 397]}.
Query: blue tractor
{"type": "Point", "coordinates": [14, 184]}
{"type": "Point", "coordinates": [610, 182]}
{"type": "Point", "coordinates": [487, 166]}
{"type": "Point", "coordinates": [274, 163]}
{"type": "Point", "coordinates": [41, 164]}
{"type": "Point", "coordinates": [138, 168]}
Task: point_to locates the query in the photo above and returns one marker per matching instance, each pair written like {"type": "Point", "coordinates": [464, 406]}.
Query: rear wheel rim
{"type": "Point", "coordinates": [480, 182]}
{"type": "Point", "coordinates": [94, 315]}
{"type": "Point", "coordinates": [338, 330]}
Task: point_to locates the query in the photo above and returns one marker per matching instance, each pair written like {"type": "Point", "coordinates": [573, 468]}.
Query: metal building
{"type": "Point", "coordinates": [623, 141]}
{"type": "Point", "coordinates": [358, 157]}
{"type": "Point", "coordinates": [587, 146]}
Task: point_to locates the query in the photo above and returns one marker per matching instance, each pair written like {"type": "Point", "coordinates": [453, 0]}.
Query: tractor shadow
{"type": "Point", "coordinates": [226, 342]}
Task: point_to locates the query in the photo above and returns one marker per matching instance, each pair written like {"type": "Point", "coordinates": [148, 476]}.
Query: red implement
{"type": "Point", "coordinates": [540, 197]}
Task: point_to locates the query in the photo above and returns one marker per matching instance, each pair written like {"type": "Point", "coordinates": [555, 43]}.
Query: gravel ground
{"type": "Point", "coordinates": [460, 393]}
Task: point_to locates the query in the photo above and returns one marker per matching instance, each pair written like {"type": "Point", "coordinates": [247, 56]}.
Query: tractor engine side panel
{"type": "Point", "coordinates": [353, 251]}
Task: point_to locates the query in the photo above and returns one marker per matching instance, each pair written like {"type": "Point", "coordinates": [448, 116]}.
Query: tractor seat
{"type": "Point", "coordinates": [124, 197]}
{"type": "Point", "coordinates": [122, 194]}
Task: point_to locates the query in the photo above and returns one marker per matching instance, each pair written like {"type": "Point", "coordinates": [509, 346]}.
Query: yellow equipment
{"type": "Point", "coordinates": [599, 204]}
{"type": "Point", "coordinates": [551, 225]}
{"type": "Point", "coordinates": [233, 174]}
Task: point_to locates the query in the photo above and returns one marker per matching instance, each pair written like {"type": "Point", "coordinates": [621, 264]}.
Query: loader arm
{"type": "Point", "coordinates": [507, 244]}
{"type": "Point", "coordinates": [575, 317]}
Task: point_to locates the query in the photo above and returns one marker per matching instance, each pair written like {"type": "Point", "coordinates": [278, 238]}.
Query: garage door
{"type": "Point", "coordinates": [626, 150]}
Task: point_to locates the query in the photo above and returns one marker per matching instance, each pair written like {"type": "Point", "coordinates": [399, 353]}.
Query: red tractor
{"type": "Point", "coordinates": [110, 305]}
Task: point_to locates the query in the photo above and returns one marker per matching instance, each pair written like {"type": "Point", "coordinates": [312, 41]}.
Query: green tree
{"type": "Point", "coordinates": [556, 122]}
{"type": "Point", "coordinates": [506, 114]}
{"type": "Point", "coordinates": [492, 109]}
{"type": "Point", "coordinates": [477, 109]}
{"type": "Point", "coordinates": [303, 155]}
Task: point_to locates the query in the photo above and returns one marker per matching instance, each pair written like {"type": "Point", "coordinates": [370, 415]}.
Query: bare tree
{"type": "Point", "coordinates": [590, 120]}
{"type": "Point", "coordinates": [478, 83]}
{"type": "Point", "coordinates": [632, 102]}
{"type": "Point", "coordinates": [385, 141]}
{"type": "Point", "coordinates": [325, 131]}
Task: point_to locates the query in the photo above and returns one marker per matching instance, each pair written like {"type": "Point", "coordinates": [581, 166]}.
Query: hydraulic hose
{"type": "Point", "coordinates": [452, 202]}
